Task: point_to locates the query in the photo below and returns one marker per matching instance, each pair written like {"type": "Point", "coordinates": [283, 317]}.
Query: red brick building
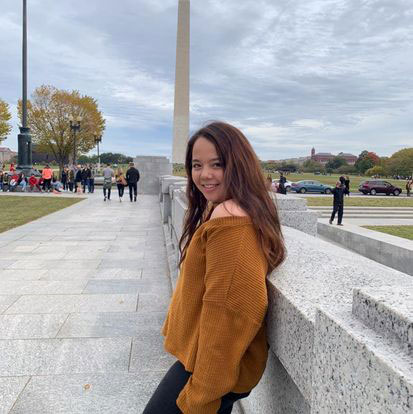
{"type": "Point", "coordinates": [324, 157]}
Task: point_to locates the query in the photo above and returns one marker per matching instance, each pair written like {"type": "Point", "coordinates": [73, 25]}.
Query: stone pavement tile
{"type": "Point", "coordinates": [30, 326]}
{"type": "Point", "coordinates": [148, 353]}
{"type": "Point", "coordinates": [67, 274]}
{"type": "Point", "coordinates": [27, 264]}
{"type": "Point", "coordinates": [6, 301]}
{"type": "Point", "coordinates": [116, 273]}
{"type": "Point", "coordinates": [75, 254]}
{"type": "Point", "coordinates": [88, 394]}
{"type": "Point", "coordinates": [22, 274]}
{"type": "Point", "coordinates": [110, 324]}
{"type": "Point", "coordinates": [64, 356]}
{"type": "Point", "coordinates": [150, 302]}
{"type": "Point", "coordinates": [41, 287]}
{"type": "Point", "coordinates": [5, 264]}
{"type": "Point", "coordinates": [74, 264]}
{"type": "Point", "coordinates": [26, 248]}
{"type": "Point", "coordinates": [156, 274]}
{"type": "Point", "coordinates": [74, 303]}
{"type": "Point", "coordinates": [10, 388]}
{"type": "Point", "coordinates": [125, 255]}
{"type": "Point", "coordinates": [125, 264]}
{"type": "Point", "coordinates": [125, 286]}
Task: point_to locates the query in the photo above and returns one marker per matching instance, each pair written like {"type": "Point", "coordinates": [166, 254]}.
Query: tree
{"type": "Point", "coordinates": [5, 117]}
{"type": "Point", "coordinates": [377, 170]}
{"type": "Point", "coordinates": [114, 158]}
{"type": "Point", "coordinates": [48, 117]}
{"type": "Point", "coordinates": [366, 160]}
{"type": "Point", "coordinates": [335, 163]}
{"type": "Point", "coordinates": [312, 166]}
{"type": "Point", "coordinates": [401, 163]}
{"type": "Point", "coordinates": [347, 169]}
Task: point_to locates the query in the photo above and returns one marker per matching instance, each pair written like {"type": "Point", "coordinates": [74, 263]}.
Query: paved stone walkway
{"type": "Point", "coordinates": [83, 294]}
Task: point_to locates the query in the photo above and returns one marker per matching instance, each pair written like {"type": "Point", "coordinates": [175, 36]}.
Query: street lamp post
{"type": "Point", "coordinates": [74, 127]}
{"type": "Point", "coordinates": [24, 139]}
{"type": "Point", "coordinates": [98, 140]}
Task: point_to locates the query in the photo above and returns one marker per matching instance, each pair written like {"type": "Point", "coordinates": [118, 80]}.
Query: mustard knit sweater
{"type": "Point", "coordinates": [215, 324]}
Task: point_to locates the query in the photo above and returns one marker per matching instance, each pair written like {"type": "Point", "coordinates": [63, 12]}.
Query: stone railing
{"type": "Point", "coordinates": [340, 326]}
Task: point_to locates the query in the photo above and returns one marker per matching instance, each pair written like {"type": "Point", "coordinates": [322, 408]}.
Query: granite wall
{"type": "Point", "coordinates": [150, 169]}
{"type": "Point", "coordinates": [340, 326]}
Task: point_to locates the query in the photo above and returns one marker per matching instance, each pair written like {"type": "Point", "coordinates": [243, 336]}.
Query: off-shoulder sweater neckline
{"type": "Point", "coordinates": [228, 220]}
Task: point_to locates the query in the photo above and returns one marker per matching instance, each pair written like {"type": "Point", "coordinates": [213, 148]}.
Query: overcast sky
{"type": "Point", "coordinates": [292, 74]}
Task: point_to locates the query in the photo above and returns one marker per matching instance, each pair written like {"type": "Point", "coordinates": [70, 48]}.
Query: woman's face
{"type": "Point", "coordinates": [207, 171]}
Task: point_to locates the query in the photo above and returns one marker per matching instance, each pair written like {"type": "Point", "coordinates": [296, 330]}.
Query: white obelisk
{"type": "Point", "coordinates": [181, 103]}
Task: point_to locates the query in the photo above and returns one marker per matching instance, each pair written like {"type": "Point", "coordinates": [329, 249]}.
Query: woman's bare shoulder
{"type": "Point", "coordinates": [228, 208]}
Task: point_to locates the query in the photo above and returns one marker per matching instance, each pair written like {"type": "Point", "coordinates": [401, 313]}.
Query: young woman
{"type": "Point", "coordinates": [231, 241]}
{"type": "Point", "coordinates": [120, 182]}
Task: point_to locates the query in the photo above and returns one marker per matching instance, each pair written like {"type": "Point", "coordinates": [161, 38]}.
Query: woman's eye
{"type": "Point", "coordinates": [217, 165]}
{"type": "Point", "coordinates": [195, 165]}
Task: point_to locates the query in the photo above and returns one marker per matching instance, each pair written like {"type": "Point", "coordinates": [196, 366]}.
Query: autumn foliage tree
{"type": "Point", "coordinates": [48, 115]}
{"type": "Point", "coordinates": [5, 117]}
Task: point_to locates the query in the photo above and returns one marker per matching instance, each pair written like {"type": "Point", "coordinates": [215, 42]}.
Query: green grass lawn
{"type": "Point", "coordinates": [16, 210]}
{"type": "Point", "coordinates": [366, 201]}
{"type": "Point", "coordinates": [400, 231]}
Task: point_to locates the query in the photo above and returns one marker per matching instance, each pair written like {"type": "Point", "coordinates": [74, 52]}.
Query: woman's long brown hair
{"type": "Point", "coordinates": [244, 183]}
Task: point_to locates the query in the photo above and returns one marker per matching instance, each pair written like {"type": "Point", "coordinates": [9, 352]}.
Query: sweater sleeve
{"type": "Point", "coordinates": [228, 322]}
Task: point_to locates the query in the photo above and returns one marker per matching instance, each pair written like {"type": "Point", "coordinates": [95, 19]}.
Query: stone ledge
{"type": "Point", "coordinates": [387, 311]}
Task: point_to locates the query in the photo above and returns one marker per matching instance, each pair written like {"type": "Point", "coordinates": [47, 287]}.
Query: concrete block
{"type": "Point", "coordinates": [358, 371]}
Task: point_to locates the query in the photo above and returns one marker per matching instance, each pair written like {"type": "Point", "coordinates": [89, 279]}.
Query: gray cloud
{"type": "Point", "coordinates": [331, 73]}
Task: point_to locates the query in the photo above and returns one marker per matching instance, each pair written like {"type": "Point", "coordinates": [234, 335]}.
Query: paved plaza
{"type": "Point", "coordinates": [83, 294]}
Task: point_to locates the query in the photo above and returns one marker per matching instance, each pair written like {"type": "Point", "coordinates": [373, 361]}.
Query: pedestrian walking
{"type": "Point", "coordinates": [47, 175]}
{"type": "Point", "coordinates": [120, 182]}
{"type": "Point", "coordinates": [338, 205]}
{"type": "Point", "coordinates": [347, 185]}
{"type": "Point", "coordinates": [281, 184]}
{"type": "Point", "coordinates": [132, 177]}
{"type": "Point", "coordinates": [108, 173]}
{"type": "Point", "coordinates": [215, 325]}
{"type": "Point", "coordinates": [92, 179]}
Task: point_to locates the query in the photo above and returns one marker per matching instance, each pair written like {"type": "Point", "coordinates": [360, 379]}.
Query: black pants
{"type": "Point", "coordinates": [121, 189]}
{"type": "Point", "coordinates": [71, 184]}
{"type": "Point", "coordinates": [134, 187]}
{"type": "Point", "coordinates": [65, 186]}
{"type": "Point", "coordinates": [104, 192]}
{"type": "Point", "coordinates": [339, 208]}
{"type": "Point", "coordinates": [47, 183]}
{"type": "Point", "coordinates": [164, 398]}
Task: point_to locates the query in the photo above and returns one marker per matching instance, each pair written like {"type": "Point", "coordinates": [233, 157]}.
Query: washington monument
{"type": "Point", "coordinates": [181, 103]}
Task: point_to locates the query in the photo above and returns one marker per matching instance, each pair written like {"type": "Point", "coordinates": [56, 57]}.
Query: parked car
{"type": "Point", "coordinates": [379, 186]}
{"type": "Point", "coordinates": [308, 186]}
{"type": "Point", "coordinates": [287, 184]}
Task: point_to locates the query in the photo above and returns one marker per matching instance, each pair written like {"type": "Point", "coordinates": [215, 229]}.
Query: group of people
{"type": "Point", "coordinates": [130, 179]}
{"type": "Point", "coordinates": [77, 178]}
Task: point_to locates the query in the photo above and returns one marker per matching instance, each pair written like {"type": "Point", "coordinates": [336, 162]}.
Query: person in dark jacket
{"type": "Point", "coordinates": [347, 184]}
{"type": "Point", "coordinates": [85, 177]}
{"type": "Point", "coordinates": [64, 179]}
{"type": "Point", "coordinates": [132, 177]}
{"type": "Point", "coordinates": [281, 185]}
{"type": "Point", "coordinates": [338, 206]}
{"type": "Point", "coordinates": [78, 179]}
